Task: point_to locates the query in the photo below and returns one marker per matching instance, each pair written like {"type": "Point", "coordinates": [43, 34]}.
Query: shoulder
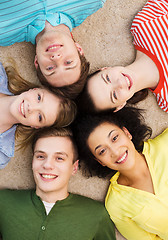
{"type": "Point", "coordinates": [87, 203]}
{"type": "Point", "coordinates": [4, 81]}
{"type": "Point", "coordinates": [159, 141]}
{"type": "Point", "coordinates": [9, 195]}
{"type": "Point", "coordinates": [3, 76]}
{"type": "Point", "coordinates": [153, 9]}
{"type": "Point", "coordinates": [155, 151]}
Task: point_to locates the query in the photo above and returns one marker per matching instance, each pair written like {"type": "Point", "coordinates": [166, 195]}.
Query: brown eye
{"type": "Point", "coordinates": [102, 151]}
{"type": "Point", "coordinates": [115, 138]}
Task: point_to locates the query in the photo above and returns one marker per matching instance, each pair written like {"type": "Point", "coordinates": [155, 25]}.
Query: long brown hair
{"type": "Point", "coordinates": [17, 85]}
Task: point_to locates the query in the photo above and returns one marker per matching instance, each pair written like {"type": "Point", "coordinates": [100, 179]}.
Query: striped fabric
{"type": "Point", "coordinates": [22, 20]}
{"type": "Point", "coordinates": [150, 32]}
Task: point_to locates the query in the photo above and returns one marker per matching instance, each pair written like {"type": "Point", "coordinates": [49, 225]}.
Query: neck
{"type": "Point", "coordinates": [7, 120]}
{"type": "Point", "coordinates": [51, 197]}
{"type": "Point", "coordinates": [134, 175]}
{"type": "Point", "coordinates": [147, 74]}
{"type": "Point", "coordinates": [49, 27]}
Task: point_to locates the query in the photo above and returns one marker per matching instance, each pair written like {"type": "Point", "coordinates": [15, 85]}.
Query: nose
{"type": "Point", "coordinates": [119, 83]}
{"type": "Point", "coordinates": [55, 56]}
{"type": "Point", "coordinates": [33, 107]}
{"type": "Point", "coordinates": [114, 152]}
{"type": "Point", "coordinates": [48, 163]}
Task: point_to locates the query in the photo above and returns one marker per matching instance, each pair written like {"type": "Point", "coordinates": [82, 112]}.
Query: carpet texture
{"type": "Point", "coordinates": [106, 40]}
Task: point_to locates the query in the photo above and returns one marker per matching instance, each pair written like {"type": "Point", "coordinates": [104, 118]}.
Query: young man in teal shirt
{"type": "Point", "coordinates": [59, 60]}
{"type": "Point", "coordinates": [50, 211]}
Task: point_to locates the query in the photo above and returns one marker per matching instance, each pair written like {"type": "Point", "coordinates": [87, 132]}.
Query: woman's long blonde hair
{"type": "Point", "coordinates": [17, 85]}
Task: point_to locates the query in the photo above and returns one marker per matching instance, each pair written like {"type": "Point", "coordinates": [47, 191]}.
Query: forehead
{"type": "Point", "coordinates": [54, 144]}
{"type": "Point", "coordinates": [102, 131]}
{"type": "Point", "coordinates": [104, 127]}
{"type": "Point", "coordinates": [50, 108]}
{"type": "Point", "coordinates": [65, 76]}
{"type": "Point", "coordinates": [99, 92]}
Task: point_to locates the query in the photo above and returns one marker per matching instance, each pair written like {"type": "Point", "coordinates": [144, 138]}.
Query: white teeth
{"type": "Point", "coordinates": [22, 109]}
{"type": "Point", "coordinates": [128, 81]}
{"type": "Point", "coordinates": [52, 48]}
{"type": "Point", "coordinates": [123, 157]}
{"type": "Point", "coordinates": [48, 176]}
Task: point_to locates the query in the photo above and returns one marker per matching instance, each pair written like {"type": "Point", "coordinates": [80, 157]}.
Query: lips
{"type": "Point", "coordinates": [128, 80]}
{"type": "Point", "coordinates": [123, 158]}
{"type": "Point", "coordinates": [53, 48]}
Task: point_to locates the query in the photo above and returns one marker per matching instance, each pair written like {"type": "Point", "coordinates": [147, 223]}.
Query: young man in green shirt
{"type": "Point", "coordinates": [50, 211]}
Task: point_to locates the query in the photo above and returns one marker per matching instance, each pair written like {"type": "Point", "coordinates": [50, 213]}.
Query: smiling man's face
{"type": "Point", "coordinates": [53, 166]}
{"type": "Point", "coordinates": [57, 56]}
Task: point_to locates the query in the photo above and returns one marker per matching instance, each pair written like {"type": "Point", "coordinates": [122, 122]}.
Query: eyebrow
{"type": "Point", "coordinates": [50, 74]}
{"type": "Point", "coordinates": [111, 97]}
{"type": "Point", "coordinates": [103, 78]}
{"type": "Point", "coordinates": [69, 68]}
{"type": "Point", "coordinates": [60, 153]}
{"type": "Point", "coordinates": [107, 136]}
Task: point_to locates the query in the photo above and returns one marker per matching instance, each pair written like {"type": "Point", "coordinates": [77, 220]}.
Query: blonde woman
{"type": "Point", "coordinates": [26, 107]}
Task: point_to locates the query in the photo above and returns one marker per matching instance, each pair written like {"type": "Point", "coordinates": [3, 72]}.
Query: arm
{"type": "Point", "coordinates": [130, 230]}
{"type": "Point", "coordinates": [106, 229]}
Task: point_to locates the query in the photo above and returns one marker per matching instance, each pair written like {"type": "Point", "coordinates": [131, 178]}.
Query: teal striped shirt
{"type": "Point", "coordinates": [22, 20]}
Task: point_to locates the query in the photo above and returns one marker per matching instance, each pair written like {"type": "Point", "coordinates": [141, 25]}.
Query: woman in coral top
{"type": "Point", "coordinates": [113, 87]}
{"type": "Point", "coordinates": [137, 199]}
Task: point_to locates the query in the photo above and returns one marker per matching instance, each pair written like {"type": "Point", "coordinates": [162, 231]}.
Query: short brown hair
{"type": "Point", "coordinates": [70, 91]}
{"type": "Point", "coordinates": [56, 132]}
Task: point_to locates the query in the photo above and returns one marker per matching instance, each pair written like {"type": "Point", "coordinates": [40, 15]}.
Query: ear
{"type": "Point", "coordinates": [103, 68]}
{"type": "Point", "coordinates": [79, 48]}
{"type": "Point", "coordinates": [36, 62]}
{"type": "Point", "coordinates": [127, 133]}
{"type": "Point", "coordinates": [75, 167]}
{"type": "Point", "coordinates": [120, 107]}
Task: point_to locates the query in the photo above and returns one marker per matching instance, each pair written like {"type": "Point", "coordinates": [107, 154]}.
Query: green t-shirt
{"type": "Point", "coordinates": [23, 216]}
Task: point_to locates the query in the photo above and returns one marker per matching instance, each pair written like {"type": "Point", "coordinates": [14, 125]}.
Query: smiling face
{"type": "Point", "coordinates": [53, 166]}
{"type": "Point", "coordinates": [36, 108]}
{"type": "Point", "coordinates": [58, 58]}
{"type": "Point", "coordinates": [112, 147]}
{"type": "Point", "coordinates": [111, 88]}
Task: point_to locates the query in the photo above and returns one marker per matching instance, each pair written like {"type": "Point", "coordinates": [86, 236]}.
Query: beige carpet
{"type": "Point", "coordinates": [107, 41]}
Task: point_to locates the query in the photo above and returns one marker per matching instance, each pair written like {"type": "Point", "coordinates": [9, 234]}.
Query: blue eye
{"type": "Point", "coordinates": [68, 62]}
{"type": "Point", "coordinates": [115, 138]}
{"type": "Point", "coordinates": [39, 97]}
{"type": "Point", "coordinates": [49, 68]}
{"type": "Point", "coordinates": [108, 79]}
{"type": "Point", "coordinates": [114, 95]}
{"type": "Point", "coordinates": [40, 117]}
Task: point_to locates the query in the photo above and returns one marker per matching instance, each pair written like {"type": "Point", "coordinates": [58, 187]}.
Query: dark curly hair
{"type": "Point", "coordinates": [70, 91]}
{"type": "Point", "coordinates": [85, 102]}
{"type": "Point", "coordinates": [84, 125]}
